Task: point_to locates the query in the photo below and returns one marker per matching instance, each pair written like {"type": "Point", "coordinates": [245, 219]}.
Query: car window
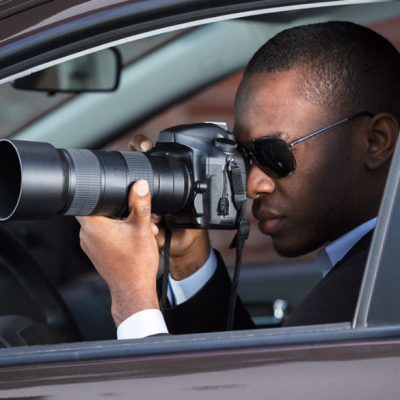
{"type": "Point", "coordinates": [22, 108]}
{"type": "Point", "coordinates": [215, 103]}
{"type": "Point", "coordinates": [153, 102]}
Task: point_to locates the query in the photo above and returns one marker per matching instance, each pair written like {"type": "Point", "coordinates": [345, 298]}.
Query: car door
{"type": "Point", "coordinates": [283, 362]}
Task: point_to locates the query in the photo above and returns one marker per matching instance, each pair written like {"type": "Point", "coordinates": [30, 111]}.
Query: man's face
{"type": "Point", "coordinates": [313, 205]}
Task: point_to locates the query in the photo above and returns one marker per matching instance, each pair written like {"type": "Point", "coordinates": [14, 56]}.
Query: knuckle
{"type": "Point", "coordinates": [137, 141]}
{"type": "Point", "coordinates": [143, 209]}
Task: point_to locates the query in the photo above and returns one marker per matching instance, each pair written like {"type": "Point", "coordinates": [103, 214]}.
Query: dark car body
{"type": "Point", "coordinates": [358, 360]}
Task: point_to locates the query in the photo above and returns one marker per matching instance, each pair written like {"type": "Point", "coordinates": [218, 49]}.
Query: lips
{"type": "Point", "coordinates": [269, 221]}
{"type": "Point", "coordinates": [265, 213]}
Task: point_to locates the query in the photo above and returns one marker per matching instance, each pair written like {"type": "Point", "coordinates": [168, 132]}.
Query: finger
{"type": "Point", "coordinates": [140, 204]}
{"type": "Point", "coordinates": [154, 229]}
{"type": "Point", "coordinates": [94, 223]}
{"type": "Point", "coordinates": [155, 219]}
{"type": "Point", "coordinates": [88, 226]}
{"type": "Point", "coordinates": [160, 239]}
{"type": "Point", "coordinates": [89, 220]}
{"type": "Point", "coordinates": [140, 143]}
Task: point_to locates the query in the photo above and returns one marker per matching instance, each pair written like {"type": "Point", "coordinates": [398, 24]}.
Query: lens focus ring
{"type": "Point", "coordinates": [88, 183]}
{"type": "Point", "coordinates": [139, 167]}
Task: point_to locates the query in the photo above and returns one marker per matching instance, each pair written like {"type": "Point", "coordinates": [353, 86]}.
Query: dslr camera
{"type": "Point", "coordinates": [196, 174]}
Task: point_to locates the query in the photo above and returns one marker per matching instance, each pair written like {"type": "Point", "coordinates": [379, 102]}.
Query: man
{"type": "Point", "coordinates": [318, 112]}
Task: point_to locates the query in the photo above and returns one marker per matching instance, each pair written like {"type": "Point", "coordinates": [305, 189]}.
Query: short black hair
{"type": "Point", "coordinates": [349, 68]}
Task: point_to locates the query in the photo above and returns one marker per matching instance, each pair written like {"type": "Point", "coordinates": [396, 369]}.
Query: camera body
{"type": "Point", "coordinates": [196, 175]}
{"type": "Point", "coordinates": [208, 150]}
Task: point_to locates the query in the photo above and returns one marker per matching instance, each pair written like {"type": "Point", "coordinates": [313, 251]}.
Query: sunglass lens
{"type": "Point", "coordinates": [273, 157]}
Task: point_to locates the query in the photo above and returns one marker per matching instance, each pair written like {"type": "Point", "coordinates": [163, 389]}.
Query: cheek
{"type": "Point", "coordinates": [306, 175]}
{"type": "Point", "coordinates": [302, 191]}
{"type": "Point", "coordinates": [316, 185]}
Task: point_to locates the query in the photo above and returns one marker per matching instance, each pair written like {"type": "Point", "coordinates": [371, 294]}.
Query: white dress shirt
{"type": "Point", "coordinates": [151, 322]}
{"type": "Point", "coordinates": [332, 253]}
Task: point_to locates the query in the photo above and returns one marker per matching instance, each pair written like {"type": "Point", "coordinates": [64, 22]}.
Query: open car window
{"type": "Point", "coordinates": [178, 77]}
{"type": "Point", "coordinates": [23, 108]}
{"type": "Point", "coordinates": [82, 121]}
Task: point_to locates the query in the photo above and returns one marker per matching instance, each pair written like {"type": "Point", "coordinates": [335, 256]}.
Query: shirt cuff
{"type": "Point", "coordinates": [183, 290]}
{"type": "Point", "coordinates": [141, 324]}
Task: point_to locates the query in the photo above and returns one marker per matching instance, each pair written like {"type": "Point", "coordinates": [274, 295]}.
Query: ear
{"type": "Point", "coordinates": [381, 140]}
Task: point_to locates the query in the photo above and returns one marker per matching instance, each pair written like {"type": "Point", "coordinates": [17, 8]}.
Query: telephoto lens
{"type": "Point", "coordinates": [38, 181]}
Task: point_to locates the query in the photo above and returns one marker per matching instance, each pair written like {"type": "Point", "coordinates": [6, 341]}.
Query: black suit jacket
{"type": "Point", "coordinates": [333, 300]}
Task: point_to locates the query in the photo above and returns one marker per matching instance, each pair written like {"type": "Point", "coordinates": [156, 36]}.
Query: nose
{"type": "Point", "coordinates": [258, 183]}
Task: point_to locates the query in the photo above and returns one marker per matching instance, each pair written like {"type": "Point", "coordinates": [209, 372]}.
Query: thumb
{"type": "Point", "coordinates": [140, 204]}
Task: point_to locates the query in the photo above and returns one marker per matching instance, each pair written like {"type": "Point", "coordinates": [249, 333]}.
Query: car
{"type": "Point", "coordinates": [56, 331]}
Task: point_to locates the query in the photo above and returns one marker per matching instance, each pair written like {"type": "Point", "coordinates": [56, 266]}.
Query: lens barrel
{"type": "Point", "coordinates": [38, 181]}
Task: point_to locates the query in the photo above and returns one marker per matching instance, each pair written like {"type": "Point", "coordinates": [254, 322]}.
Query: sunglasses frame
{"type": "Point", "coordinates": [250, 149]}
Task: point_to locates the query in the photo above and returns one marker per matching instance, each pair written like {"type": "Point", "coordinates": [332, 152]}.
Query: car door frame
{"type": "Point", "coordinates": [64, 362]}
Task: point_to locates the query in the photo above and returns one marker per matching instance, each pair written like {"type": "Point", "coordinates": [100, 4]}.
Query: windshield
{"type": "Point", "coordinates": [20, 108]}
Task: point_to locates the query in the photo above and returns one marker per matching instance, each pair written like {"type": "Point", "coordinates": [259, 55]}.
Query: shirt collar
{"type": "Point", "coordinates": [331, 254]}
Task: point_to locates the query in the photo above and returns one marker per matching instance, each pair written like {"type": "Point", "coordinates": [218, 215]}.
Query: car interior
{"type": "Point", "coordinates": [50, 291]}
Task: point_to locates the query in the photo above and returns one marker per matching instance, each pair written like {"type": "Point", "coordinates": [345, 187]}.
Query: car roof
{"type": "Point", "coordinates": [23, 19]}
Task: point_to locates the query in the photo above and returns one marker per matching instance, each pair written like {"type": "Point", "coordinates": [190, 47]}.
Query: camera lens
{"type": "Point", "coordinates": [38, 181]}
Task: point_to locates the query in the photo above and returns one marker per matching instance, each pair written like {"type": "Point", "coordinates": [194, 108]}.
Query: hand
{"type": "Point", "coordinates": [190, 248]}
{"type": "Point", "coordinates": [125, 253]}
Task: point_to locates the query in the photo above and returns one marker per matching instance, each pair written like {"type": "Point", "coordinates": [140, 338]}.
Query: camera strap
{"type": "Point", "coordinates": [243, 228]}
{"type": "Point", "coordinates": [165, 277]}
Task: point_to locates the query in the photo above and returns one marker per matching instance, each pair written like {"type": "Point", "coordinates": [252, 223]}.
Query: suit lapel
{"type": "Point", "coordinates": [335, 297]}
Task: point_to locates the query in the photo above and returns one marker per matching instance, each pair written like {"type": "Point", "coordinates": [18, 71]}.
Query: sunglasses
{"type": "Point", "coordinates": [275, 157]}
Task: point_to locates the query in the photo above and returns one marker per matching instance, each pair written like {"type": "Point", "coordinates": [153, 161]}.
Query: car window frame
{"type": "Point", "coordinates": [14, 67]}
{"type": "Point", "coordinates": [359, 329]}
{"type": "Point", "coordinates": [379, 299]}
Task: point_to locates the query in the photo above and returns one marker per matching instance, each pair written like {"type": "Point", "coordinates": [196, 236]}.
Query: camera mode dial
{"type": "Point", "coordinates": [226, 145]}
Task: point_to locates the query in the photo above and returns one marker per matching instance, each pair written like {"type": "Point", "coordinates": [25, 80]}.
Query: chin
{"type": "Point", "coordinates": [294, 249]}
